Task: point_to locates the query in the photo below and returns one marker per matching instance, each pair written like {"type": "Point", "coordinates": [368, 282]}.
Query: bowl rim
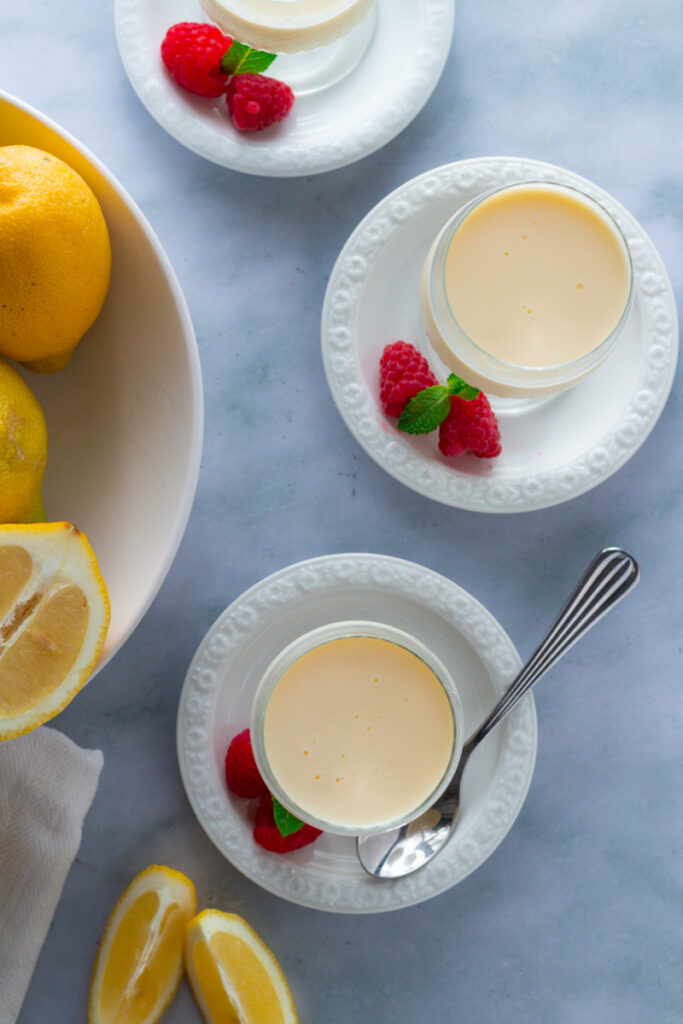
{"type": "Point", "coordinates": [192, 349]}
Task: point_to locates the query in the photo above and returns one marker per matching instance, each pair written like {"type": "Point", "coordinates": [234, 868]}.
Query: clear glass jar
{"type": "Point", "coordinates": [321, 636]}
{"type": "Point", "coordinates": [316, 48]}
{"type": "Point", "coordinates": [469, 359]}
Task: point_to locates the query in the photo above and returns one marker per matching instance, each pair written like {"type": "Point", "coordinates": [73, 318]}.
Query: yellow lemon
{"type": "Point", "coordinates": [55, 258]}
{"type": "Point", "coordinates": [23, 450]}
{"type": "Point", "coordinates": [54, 616]}
{"type": "Point", "coordinates": [140, 960]}
{"type": "Point", "coordinates": [234, 976]}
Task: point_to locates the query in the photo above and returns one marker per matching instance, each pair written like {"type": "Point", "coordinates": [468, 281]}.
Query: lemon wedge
{"type": "Point", "coordinates": [234, 976]}
{"type": "Point", "coordinates": [54, 616]}
{"type": "Point", "coordinates": [140, 960]}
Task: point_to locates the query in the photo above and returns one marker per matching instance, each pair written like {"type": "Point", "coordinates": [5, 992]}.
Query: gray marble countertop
{"type": "Point", "coordinates": [576, 917]}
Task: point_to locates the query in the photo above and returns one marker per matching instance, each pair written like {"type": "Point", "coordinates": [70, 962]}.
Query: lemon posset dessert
{"type": "Point", "coordinates": [357, 733]}
{"type": "Point", "coordinates": [287, 26]}
{"type": "Point", "coordinates": [526, 290]}
{"type": "Point", "coordinates": [319, 42]}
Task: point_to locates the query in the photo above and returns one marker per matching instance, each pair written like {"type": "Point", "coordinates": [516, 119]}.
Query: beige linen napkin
{"type": "Point", "coordinates": [47, 784]}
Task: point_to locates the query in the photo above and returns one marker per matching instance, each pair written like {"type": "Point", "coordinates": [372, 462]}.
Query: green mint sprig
{"type": "Point", "coordinates": [286, 823]}
{"type": "Point", "coordinates": [431, 406]}
{"type": "Point", "coordinates": [240, 59]}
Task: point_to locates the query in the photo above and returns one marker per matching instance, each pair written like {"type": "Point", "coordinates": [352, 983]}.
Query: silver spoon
{"type": "Point", "coordinates": [609, 577]}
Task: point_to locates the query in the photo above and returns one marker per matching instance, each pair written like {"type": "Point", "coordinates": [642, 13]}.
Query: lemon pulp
{"type": "Point", "coordinates": [54, 616]}
{"type": "Point", "coordinates": [234, 976]}
{"type": "Point", "coordinates": [140, 960]}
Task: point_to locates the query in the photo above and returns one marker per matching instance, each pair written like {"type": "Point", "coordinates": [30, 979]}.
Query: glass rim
{"type": "Point", "coordinates": [456, 221]}
{"type": "Point", "coordinates": [348, 629]}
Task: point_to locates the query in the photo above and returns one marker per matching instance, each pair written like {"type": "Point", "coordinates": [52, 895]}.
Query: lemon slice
{"type": "Point", "coordinates": [140, 960]}
{"type": "Point", "coordinates": [54, 616]}
{"type": "Point", "coordinates": [234, 976]}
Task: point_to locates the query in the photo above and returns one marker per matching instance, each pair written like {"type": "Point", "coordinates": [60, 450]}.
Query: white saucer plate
{"type": "Point", "coordinates": [327, 129]}
{"type": "Point", "coordinates": [216, 704]}
{"type": "Point", "coordinates": [555, 452]}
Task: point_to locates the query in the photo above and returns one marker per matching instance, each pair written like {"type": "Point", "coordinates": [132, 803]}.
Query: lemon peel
{"type": "Point", "coordinates": [55, 258]}
{"type": "Point", "coordinates": [23, 450]}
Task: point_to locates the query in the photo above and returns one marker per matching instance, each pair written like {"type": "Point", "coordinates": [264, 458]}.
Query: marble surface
{"type": "Point", "coordinates": [576, 917]}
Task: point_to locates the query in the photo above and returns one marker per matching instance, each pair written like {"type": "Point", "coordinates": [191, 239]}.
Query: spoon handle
{"type": "Point", "coordinates": [609, 578]}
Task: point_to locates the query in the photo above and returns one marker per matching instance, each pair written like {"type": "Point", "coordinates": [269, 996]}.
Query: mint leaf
{"type": "Point", "coordinates": [286, 823]}
{"type": "Point", "coordinates": [426, 410]}
{"type": "Point", "coordinates": [457, 386]}
{"type": "Point", "coordinates": [240, 59]}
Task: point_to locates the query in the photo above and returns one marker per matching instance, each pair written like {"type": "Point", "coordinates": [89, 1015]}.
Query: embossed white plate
{"type": "Point", "coordinates": [553, 453]}
{"type": "Point", "coordinates": [216, 703]}
{"type": "Point", "coordinates": [327, 129]}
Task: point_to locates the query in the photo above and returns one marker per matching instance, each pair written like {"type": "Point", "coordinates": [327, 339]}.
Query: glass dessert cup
{"type": "Point", "coordinates": [514, 386]}
{"type": "Point", "coordinates": [319, 638]}
{"type": "Point", "coordinates": [318, 42]}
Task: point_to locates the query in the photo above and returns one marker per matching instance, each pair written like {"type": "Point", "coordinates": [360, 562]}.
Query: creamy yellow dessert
{"type": "Point", "coordinates": [358, 732]}
{"type": "Point", "coordinates": [287, 26]}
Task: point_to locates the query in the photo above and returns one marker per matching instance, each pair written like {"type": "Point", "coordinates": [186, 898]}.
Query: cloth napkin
{"type": "Point", "coordinates": [47, 784]}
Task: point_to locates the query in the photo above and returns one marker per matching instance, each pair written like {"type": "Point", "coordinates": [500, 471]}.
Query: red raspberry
{"type": "Point", "coordinates": [256, 101]}
{"type": "Point", "coordinates": [402, 373]}
{"type": "Point", "coordinates": [241, 773]}
{"type": "Point", "coordinates": [470, 426]}
{"type": "Point", "coordinates": [267, 834]}
{"type": "Point", "coordinates": [192, 53]}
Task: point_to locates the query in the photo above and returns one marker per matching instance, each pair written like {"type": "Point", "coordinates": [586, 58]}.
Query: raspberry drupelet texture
{"type": "Point", "coordinates": [403, 372]}
{"type": "Point", "coordinates": [192, 51]}
{"type": "Point", "coordinates": [257, 101]}
{"type": "Point", "coordinates": [267, 834]}
{"type": "Point", "coordinates": [241, 773]}
{"type": "Point", "coordinates": [470, 426]}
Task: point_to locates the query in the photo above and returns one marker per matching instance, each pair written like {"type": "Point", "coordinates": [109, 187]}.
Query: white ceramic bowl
{"type": "Point", "coordinates": [125, 418]}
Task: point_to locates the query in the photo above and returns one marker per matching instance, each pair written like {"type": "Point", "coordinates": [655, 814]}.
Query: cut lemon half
{"type": "Point", "coordinates": [54, 616]}
{"type": "Point", "coordinates": [140, 960]}
{"type": "Point", "coordinates": [234, 976]}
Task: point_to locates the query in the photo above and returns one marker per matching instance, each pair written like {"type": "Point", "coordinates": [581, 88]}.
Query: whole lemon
{"type": "Point", "coordinates": [23, 450]}
{"type": "Point", "coordinates": [55, 258]}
